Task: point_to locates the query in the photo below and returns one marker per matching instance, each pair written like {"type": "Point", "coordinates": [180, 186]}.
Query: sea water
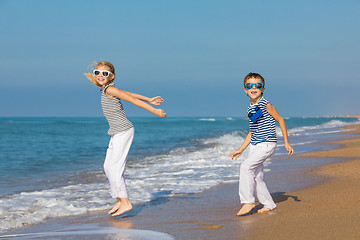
{"type": "Point", "coordinates": [52, 167]}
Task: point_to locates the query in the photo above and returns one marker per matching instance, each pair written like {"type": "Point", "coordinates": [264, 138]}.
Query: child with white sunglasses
{"type": "Point", "coordinates": [121, 130]}
{"type": "Point", "coordinates": [262, 140]}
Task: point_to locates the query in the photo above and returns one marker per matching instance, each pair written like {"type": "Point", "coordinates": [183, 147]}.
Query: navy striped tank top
{"type": "Point", "coordinates": [262, 124]}
{"type": "Point", "coordinates": [114, 113]}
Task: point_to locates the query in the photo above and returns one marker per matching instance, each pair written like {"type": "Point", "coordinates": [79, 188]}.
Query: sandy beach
{"type": "Point", "coordinates": [326, 211]}
{"type": "Point", "coordinates": [327, 206]}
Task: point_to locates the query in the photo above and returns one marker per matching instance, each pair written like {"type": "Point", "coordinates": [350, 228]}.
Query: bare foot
{"type": "Point", "coordinates": [245, 209]}
{"type": "Point", "coordinates": [265, 210]}
{"type": "Point", "coordinates": [125, 207]}
{"type": "Point", "coordinates": [115, 208]}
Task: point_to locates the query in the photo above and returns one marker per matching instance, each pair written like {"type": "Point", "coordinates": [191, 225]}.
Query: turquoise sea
{"type": "Point", "coordinates": [52, 167]}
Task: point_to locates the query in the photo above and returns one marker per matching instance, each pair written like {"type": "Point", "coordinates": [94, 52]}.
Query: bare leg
{"type": "Point", "coordinates": [124, 207]}
{"type": "Point", "coordinates": [246, 208]}
{"type": "Point", "coordinates": [116, 206]}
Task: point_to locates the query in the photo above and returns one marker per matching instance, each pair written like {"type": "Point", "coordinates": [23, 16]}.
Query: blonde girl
{"type": "Point", "coordinates": [121, 130]}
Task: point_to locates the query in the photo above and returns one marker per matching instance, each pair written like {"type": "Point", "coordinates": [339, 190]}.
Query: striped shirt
{"type": "Point", "coordinates": [262, 124]}
{"type": "Point", "coordinates": [114, 113]}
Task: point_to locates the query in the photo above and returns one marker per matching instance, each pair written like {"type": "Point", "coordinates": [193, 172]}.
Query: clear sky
{"type": "Point", "coordinates": [194, 53]}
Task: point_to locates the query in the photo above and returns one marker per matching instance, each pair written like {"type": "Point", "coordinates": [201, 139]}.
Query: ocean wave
{"type": "Point", "coordinates": [181, 171]}
{"type": "Point", "coordinates": [317, 129]}
{"type": "Point", "coordinates": [88, 232]}
{"type": "Point", "coordinates": [34, 207]}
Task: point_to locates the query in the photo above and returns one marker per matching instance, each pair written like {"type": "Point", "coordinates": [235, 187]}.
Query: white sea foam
{"type": "Point", "coordinates": [297, 143]}
{"type": "Point", "coordinates": [207, 119]}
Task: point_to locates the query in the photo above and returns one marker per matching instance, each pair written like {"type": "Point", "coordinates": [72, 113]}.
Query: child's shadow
{"type": "Point", "coordinates": [277, 197]}
{"type": "Point", "coordinates": [140, 207]}
{"type": "Point", "coordinates": [282, 197]}
{"type": "Point", "coordinates": [161, 199]}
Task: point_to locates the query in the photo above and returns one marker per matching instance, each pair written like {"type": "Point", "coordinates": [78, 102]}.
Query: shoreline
{"type": "Point", "coordinates": [211, 214]}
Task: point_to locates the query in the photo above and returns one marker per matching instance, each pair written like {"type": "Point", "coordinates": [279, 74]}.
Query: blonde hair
{"type": "Point", "coordinates": [93, 66]}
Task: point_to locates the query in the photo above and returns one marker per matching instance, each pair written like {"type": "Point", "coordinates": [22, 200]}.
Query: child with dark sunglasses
{"type": "Point", "coordinates": [262, 140]}
{"type": "Point", "coordinates": [121, 130]}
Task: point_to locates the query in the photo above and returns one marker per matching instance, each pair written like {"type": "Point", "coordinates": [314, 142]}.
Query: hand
{"type": "Point", "coordinates": [160, 113]}
{"type": "Point", "coordinates": [289, 148]}
{"type": "Point", "coordinates": [235, 154]}
{"type": "Point", "coordinates": [156, 100]}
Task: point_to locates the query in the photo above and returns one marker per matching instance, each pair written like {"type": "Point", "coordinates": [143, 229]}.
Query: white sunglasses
{"type": "Point", "coordinates": [103, 73]}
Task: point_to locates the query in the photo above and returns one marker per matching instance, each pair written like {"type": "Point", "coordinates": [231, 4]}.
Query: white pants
{"type": "Point", "coordinates": [114, 165]}
{"type": "Point", "coordinates": [252, 173]}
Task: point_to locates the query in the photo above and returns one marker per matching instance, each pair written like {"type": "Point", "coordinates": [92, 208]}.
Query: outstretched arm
{"type": "Point", "coordinates": [274, 113]}
{"type": "Point", "coordinates": [237, 153]}
{"type": "Point", "coordinates": [154, 101]}
{"type": "Point", "coordinates": [114, 92]}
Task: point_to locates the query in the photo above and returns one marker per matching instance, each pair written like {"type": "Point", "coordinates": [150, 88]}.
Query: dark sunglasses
{"type": "Point", "coordinates": [258, 85]}
{"type": "Point", "coordinates": [103, 73]}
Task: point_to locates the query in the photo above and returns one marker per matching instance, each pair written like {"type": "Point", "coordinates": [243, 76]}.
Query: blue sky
{"type": "Point", "coordinates": [193, 53]}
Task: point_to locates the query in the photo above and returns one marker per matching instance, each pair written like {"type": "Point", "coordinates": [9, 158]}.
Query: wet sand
{"type": "Point", "coordinates": [328, 210]}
